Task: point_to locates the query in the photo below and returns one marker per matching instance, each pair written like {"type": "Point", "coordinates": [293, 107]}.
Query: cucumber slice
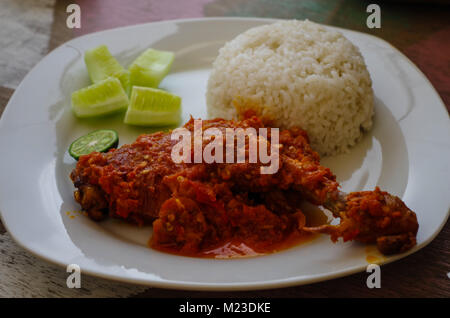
{"type": "Point", "coordinates": [99, 140]}
{"type": "Point", "coordinates": [101, 65]}
{"type": "Point", "coordinates": [153, 107]}
{"type": "Point", "coordinates": [150, 68]}
{"type": "Point", "coordinates": [124, 78]}
{"type": "Point", "coordinates": [101, 98]}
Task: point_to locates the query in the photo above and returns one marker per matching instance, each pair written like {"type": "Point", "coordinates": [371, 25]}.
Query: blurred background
{"type": "Point", "coordinates": [29, 29]}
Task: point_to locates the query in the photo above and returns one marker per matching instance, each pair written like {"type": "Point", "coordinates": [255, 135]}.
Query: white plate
{"type": "Point", "coordinates": [407, 153]}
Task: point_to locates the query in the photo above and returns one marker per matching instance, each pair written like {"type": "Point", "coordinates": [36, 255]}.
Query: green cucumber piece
{"type": "Point", "coordinates": [99, 140]}
{"type": "Point", "coordinates": [104, 97]}
{"type": "Point", "coordinates": [101, 65]}
{"type": "Point", "coordinates": [124, 78]}
{"type": "Point", "coordinates": [150, 68]}
{"type": "Point", "coordinates": [153, 107]}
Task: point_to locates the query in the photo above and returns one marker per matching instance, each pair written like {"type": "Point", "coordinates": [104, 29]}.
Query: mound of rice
{"type": "Point", "coordinates": [297, 73]}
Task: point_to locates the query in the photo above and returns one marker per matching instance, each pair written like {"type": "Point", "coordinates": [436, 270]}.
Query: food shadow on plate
{"type": "Point", "coordinates": [379, 159]}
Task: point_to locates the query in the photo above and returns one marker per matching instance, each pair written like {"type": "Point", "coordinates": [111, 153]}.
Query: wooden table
{"type": "Point", "coordinates": [421, 32]}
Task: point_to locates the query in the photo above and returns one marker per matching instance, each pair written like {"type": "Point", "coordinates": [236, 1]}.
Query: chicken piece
{"type": "Point", "coordinates": [372, 217]}
{"type": "Point", "coordinates": [141, 183]}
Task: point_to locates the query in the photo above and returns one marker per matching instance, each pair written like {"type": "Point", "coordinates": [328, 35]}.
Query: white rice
{"type": "Point", "coordinates": [298, 73]}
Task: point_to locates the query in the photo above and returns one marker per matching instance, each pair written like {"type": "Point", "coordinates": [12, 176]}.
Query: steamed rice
{"type": "Point", "coordinates": [297, 73]}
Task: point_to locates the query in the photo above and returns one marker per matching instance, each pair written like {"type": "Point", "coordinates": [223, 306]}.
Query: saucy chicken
{"type": "Point", "coordinates": [199, 206]}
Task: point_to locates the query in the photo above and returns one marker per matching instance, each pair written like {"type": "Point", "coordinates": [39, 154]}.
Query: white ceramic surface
{"type": "Point", "coordinates": [407, 153]}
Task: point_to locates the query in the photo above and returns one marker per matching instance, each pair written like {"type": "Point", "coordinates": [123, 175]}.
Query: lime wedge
{"type": "Point", "coordinates": [153, 107]}
{"type": "Point", "coordinates": [150, 68]}
{"type": "Point", "coordinates": [98, 140]}
{"type": "Point", "coordinates": [104, 97]}
{"type": "Point", "coordinates": [101, 64]}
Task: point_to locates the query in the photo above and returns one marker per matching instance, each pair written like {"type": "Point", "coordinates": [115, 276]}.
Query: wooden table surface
{"type": "Point", "coordinates": [421, 32]}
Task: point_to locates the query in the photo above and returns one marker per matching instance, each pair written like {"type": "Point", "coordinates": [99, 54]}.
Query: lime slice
{"type": "Point", "coordinates": [153, 107]}
{"type": "Point", "coordinates": [98, 140]}
{"type": "Point", "coordinates": [101, 65]}
{"type": "Point", "coordinates": [150, 68]}
{"type": "Point", "coordinates": [104, 97]}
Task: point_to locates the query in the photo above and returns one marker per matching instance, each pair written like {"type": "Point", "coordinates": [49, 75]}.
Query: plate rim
{"type": "Point", "coordinates": [192, 285]}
